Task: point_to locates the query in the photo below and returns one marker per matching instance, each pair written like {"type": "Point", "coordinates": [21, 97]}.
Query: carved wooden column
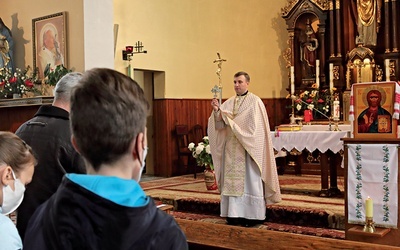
{"type": "Point", "coordinates": [332, 30]}
{"type": "Point", "coordinates": [321, 30]}
{"type": "Point", "coordinates": [338, 30]}
{"type": "Point", "coordinates": [387, 32]}
{"type": "Point", "coordinates": [394, 26]}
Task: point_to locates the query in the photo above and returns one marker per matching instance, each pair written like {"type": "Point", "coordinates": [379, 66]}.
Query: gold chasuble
{"type": "Point", "coordinates": [245, 128]}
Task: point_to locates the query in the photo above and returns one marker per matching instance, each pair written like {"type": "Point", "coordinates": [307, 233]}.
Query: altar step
{"type": "Point", "coordinates": [288, 215]}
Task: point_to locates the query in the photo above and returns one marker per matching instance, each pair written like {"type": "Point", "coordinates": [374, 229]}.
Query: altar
{"type": "Point", "coordinates": [328, 143]}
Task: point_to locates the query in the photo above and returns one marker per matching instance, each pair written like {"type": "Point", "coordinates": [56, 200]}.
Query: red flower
{"type": "Point", "coordinates": [309, 100]}
{"type": "Point", "coordinates": [2, 83]}
{"type": "Point", "coordinates": [13, 79]}
{"type": "Point", "coordinates": [320, 101]}
{"type": "Point", "coordinates": [28, 83]}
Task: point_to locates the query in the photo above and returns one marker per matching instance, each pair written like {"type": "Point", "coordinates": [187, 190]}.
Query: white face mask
{"type": "Point", "coordinates": [12, 198]}
{"type": "Point", "coordinates": [143, 163]}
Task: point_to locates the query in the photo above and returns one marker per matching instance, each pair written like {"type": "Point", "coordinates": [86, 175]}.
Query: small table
{"type": "Point", "coordinates": [327, 142]}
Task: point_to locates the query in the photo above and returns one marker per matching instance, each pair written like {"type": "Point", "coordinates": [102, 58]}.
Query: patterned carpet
{"type": "Point", "coordinates": [301, 210]}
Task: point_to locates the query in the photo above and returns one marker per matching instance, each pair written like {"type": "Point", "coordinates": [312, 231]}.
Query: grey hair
{"type": "Point", "coordinates": [64, 86]}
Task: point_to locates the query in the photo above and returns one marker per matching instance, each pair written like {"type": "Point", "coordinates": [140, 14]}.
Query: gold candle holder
{"type": "Point", "coordinates": [336, 124]}
{"type": "Point", "coordinates": [369, 225]}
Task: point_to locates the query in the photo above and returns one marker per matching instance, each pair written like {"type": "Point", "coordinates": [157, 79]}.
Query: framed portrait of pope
{"type": "Point", "coordinates": [49, 42]}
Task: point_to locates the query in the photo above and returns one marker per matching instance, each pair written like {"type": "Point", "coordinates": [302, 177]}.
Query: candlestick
{"type": "Point", "coordinates": [331, 77]}
{"type": "Point", "coordinates": [369, 207]}
{"type": "Point", "coordinates": [292, 80]}
{"type": "Point", "coordinates": [387, 70]}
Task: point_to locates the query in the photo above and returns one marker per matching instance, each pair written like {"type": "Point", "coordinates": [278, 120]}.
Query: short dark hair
{"type": "Point", "coordinates": [242, 73]}
{"type": "Point", "coordinates": [108, 110]}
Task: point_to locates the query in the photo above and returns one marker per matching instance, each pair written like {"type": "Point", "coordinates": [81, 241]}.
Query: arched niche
{"type": "Point", "coordinates": [303, 16]}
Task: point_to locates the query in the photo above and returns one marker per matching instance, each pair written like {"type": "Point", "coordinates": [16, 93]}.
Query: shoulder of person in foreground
{"type": "Point", "coordinates": [9, 237]}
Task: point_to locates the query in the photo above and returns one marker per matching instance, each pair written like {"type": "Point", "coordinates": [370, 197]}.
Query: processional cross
{"type": "Point", "coordinates": [218, 89]}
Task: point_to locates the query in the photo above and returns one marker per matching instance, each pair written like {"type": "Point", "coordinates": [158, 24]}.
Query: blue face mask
{"type": "Point", "coordinates": [143, 163]}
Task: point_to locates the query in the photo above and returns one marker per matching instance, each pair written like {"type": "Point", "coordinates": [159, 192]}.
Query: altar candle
{"type": "Point", "coordinates": [317, 73]}
{"type": "Point", "coordinates": [330, 77]}
{"type": "Point", "coordinates": [387, 69]}
{"type": "Point", "coordinates": [336, 109]}
{"type": "Point", "coordinates": [292, 80]}
{"type": "Point", "coordinates": [369, 207]}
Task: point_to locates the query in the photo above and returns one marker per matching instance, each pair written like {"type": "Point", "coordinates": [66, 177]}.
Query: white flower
{"type": "Point", "coordinates": [298, 107]}
{"type": "Point", "coordinates": [208, 150]}
{"type": "Point", "coordinates": [310, 106]}
{"type": "Point", "coordinates": [191, 146]}
{"type": "Point", "coordinates": [199, 148]}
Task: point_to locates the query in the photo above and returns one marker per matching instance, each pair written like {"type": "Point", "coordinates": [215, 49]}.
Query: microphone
{"type": "Point", "coordinates": [296, 98]}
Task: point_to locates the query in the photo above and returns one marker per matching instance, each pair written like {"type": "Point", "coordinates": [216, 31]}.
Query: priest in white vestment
{"type": "Point", "coordinates": [243, 156]}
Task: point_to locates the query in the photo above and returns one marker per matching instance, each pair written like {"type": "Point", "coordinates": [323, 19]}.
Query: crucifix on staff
{"type": "Point", "coordinates": [218, 88]}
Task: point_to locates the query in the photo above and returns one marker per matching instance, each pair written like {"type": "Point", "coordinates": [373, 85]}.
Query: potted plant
{"type": "Point", "coordinates": [51, 77]}
{"type": "Point", "coordinates": [202, 154]}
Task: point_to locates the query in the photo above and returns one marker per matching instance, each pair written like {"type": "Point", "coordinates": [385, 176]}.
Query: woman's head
{"type": "Point", "coordinates": [16, 170]}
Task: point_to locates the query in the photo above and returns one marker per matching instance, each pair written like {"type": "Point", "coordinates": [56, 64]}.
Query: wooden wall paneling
{"type": "Point", "coordinates": [12, 117]}
{"type": "Point", "coordinates": [168, 113]}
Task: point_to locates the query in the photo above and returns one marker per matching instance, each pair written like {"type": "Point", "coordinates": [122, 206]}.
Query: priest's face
{"type": "Point", "coordinates": [241, 85]}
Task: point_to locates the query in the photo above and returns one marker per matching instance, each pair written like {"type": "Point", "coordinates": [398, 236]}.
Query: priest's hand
{"type": "Point", "coordinates": [215, 104]}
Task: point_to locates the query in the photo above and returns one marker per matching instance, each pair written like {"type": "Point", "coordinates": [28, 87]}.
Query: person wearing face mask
{"type": "Point", "coordinates": [16, 170]}
{"type": "Point", "coordinates": [107, 208]}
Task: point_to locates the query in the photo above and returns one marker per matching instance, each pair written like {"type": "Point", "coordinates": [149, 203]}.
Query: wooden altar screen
{"type": "Point", "coordinates": [355, 232]}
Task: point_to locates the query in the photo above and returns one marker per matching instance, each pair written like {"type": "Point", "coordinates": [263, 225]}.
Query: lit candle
{"type": "Point", "coordinates": [387, 68]}
{"type": "Point", "coordinates": [331, 77]}
{"type": "Point", "coordinates": [317, 73]}
{"type": "Point", "coordinates": [292, 80]}
{"type": "Point", "coordinates": [369, 207]}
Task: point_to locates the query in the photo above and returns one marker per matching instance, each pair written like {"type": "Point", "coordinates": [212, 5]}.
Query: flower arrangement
{"type": "Point", "coordinates": [202, 153]}
{"type": "Point", "coordinates": [20, 82]}
{"type": "Point", "coordinates": [313, 99]}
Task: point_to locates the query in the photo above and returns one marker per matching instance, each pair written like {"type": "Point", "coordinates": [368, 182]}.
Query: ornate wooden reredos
{"type": "Point", "coordinates": [359, 37]}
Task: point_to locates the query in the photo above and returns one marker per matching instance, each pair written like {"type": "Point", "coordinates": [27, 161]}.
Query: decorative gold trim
{"type": "Point", "coordinates": [322, 4]}
{"type": "Point", "coordinates": [338, 5]}
{"type": "Point", "coordinates": [285, 10]}
{"type": "Point", "coordinates": [339, 55]}
{"type": "Point", "coordinates": [336, 72]}
{"type": "Point", "coordinates": [387, 50]}
{"type": "Point", "coordinates": [287, 55]}
{"type": "Point", "coordinates": [395, 50]}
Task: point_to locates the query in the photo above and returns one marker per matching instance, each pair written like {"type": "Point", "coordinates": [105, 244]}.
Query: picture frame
{"type": "Point", "coordinates": [373, 110]}
{"type": "Point", "coordinates": [49, 41]}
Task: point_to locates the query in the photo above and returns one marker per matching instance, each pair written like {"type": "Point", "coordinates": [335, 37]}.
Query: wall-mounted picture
{"type": "Point", "coordinates": [373, 110]}
{"type": "Point", "coordinates": [49, 41]}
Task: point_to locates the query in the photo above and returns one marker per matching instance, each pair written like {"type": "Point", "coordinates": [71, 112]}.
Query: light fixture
{"type": "Point", "coordinates": [130, 50]}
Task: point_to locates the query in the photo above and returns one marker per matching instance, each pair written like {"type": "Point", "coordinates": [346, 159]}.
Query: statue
{"type": "Point", "coordinates": [6, 47]}
{"type": "Point", "coordinates": [308, 51]}
{"type": "Point", "coordinates": [368, 21]}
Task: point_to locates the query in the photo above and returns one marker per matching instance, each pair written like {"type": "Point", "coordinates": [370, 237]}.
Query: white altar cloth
{"type": "Point", "coordinates": [310, 140]}
{"type": "Point", "coordinates": [372, 172]}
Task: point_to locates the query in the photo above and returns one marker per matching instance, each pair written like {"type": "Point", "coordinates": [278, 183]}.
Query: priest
{"type": "Point", "coordinates": [243, 156]}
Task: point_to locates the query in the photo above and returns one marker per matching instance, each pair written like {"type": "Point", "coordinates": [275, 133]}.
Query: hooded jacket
{"type": "Point", "coordinates": [76, 218]}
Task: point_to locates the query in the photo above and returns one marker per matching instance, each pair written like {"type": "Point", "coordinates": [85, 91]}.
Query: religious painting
{"type": "Point", "coordinates": [373, 110]}
{"type": "Point", "coordinates": [49, 42]}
